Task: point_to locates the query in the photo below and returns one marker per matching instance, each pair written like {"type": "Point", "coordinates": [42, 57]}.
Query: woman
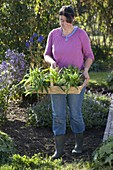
{"type": "Point", "coordinates": [68, 45]}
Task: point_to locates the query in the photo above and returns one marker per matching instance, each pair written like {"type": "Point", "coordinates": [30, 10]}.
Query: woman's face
{"type": "Point", "coordinates": [63, 23]}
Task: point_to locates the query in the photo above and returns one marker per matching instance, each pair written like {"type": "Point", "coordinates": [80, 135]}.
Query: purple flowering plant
{"type": "Point", "coordinates": [13, 68]}
{"type": "Point", "coordinates": [12, 71]}
{"type": "Point", "coordinates": [35, 47]}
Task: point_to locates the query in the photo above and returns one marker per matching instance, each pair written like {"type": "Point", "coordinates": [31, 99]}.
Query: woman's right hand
{"type": "Point", "coordinates": [53, 64]}
{"type": "Point", "coordinates": [51, 61]}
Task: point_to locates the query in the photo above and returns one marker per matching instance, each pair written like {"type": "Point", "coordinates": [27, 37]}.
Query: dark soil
{"type": "Point", "coordinates": [31, 140]}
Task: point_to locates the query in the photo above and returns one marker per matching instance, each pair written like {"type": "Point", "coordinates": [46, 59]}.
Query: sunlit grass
{"type": "Point", "coordinates": [98, 79]}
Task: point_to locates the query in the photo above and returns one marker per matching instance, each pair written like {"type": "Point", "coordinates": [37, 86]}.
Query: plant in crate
{"type": "Point", "coordinates": [66, 78]}
{"type": "Point", "coordinates": [38, 80]}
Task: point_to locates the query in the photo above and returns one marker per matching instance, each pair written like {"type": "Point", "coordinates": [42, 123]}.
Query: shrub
{"type": "Point", "coordinates": [6, 148]}
{"type": "Point", "coordinates": [12, 70]}
{"type": "Point", "coordinates": [35, 162]}
{"type": "Point", "coordinates": [110, 80]}
{"type": "Point", "coordinates": [14, 66]}
{"type": "Point", "coordinates": [95, 111]}
{"type": "Point", "coordinates": [103, 155]}
{"type": "Point", "coordinates": [40, 114]}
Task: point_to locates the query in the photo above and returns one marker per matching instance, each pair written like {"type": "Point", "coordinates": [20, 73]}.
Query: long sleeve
{"type": "Point", "coordinates": [86, 45]}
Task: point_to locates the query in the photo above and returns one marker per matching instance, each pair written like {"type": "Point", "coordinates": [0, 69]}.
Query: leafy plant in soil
{"type": "Point", "coordinates": [6, 148]}
{"type": "Point", "coordinates": [110, 80]}
{"type": "Point", "coordinates": [103, 155]}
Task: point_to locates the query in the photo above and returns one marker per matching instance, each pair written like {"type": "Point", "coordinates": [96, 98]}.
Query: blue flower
{"type": "Point", "coordinates": [35, 35]}
{"type": "Point", "coordinates": [4, 65]}
{"type": "Point", "coordinates": [31, 40]}
{"type": "Point", "coordinates": [27, 44]}
{"type": "Point", "coordinates": [40, 38]}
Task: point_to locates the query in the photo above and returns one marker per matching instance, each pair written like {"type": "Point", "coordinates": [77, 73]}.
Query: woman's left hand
{"type": "Point", "coordinates": [87, 77]}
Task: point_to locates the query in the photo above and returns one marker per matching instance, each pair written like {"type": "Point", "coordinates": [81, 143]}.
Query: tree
{"type": "Point", "coordinates": [20, 19]}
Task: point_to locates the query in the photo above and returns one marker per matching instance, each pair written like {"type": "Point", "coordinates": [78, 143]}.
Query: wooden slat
{"type": "Point", "coordinates": [58, 90]}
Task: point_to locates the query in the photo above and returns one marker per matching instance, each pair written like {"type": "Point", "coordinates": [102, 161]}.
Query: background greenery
{"type": "Point", "coordinates": [20, 19]}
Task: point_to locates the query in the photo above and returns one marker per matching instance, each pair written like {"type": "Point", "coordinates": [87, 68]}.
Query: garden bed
{"type": "Point", "coordinates": [31, 140]}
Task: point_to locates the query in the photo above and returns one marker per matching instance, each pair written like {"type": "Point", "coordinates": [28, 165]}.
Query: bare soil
{"type": "Point", "coordinates": [31, 140]}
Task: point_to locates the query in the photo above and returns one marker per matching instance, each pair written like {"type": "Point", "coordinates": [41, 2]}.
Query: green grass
{"type": "Point", "coordinates": [98, 79]}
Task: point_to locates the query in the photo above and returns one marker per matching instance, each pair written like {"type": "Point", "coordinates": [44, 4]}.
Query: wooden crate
{"type": "Point", "coordinates": [57, 90]}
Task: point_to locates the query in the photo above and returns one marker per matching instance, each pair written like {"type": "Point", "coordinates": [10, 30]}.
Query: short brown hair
{"type": "Point", "coordinates": [68, 12]}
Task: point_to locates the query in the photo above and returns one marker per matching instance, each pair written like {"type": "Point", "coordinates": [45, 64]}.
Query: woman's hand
{"type": "Point", "coordinates": [53, 64]}
{"type": "Point", "coordinates": [86, 75]}
{"type": "Point", "coordinates": [50, 60]}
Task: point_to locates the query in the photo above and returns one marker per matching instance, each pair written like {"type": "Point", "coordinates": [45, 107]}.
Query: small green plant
{"type": "Point", "coordinates": [39, 115]}
{"type": "Point", "coordinates": [110, 80]}
{"type": "Point", "coordinates": [39, 79]}
{"type": "Point", "coordinates": [6, 148]}
{"type": "Point", "coordinates": [36, 80]}
{"type": "Point", "coordinates": [103, 155]}
{"type": "Point", "coordinates": [66, 77]}
{"type": "Point", "coordinates": [36, 162]}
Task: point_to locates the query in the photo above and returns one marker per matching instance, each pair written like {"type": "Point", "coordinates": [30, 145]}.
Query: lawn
{"type": "Point", "coordinates": [98, 79]}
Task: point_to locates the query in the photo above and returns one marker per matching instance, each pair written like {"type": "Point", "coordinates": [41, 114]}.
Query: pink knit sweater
{"type": "Point", "coordinates": [69, 50]}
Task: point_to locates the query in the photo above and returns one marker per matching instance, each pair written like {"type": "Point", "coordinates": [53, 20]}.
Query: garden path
{"type": "Point", "coordinates": [109, 126]}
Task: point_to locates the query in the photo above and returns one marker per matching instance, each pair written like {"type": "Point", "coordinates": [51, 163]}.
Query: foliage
{"type": "Point", "coordinates": [3, 106]}
{"type": "Point", "coordinates": [100, 65]}
{"type": "Point", "coordinates": [40, 114]}
{"type": "Point", "coordinates": [14, 67]}
{"type": "Point", "coordinates": [36, 80]}
{"type": "Point", "coordinates": [95, 109]}
{"type": "Point", "coordinates": [35, 162]}
{"type": "Point", "coordinates": [103, 155]}
{"type": "Point", "coordinates": [17, 22]}
{"type": "Point", "coordinates": [110, 80]}
{"type": "Point", "coordinates": [39, 79]}
{"type": "Point", "coordinates": [21, 19]}
{"type": "Point", "coordinates": [12, 71]}
{"type": "Point", "coordinates": [104, 54]}
{"type": "Point", "coordinates": [81, 165]}
{"type": "Point", "coordinates": [38, 161]}
{"type": "Point", "coordinates": [6, 148]}
{"type": "Point", "coordinates": [67, 77]}
{"type": "Point", "coordinates": [35, 48]}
